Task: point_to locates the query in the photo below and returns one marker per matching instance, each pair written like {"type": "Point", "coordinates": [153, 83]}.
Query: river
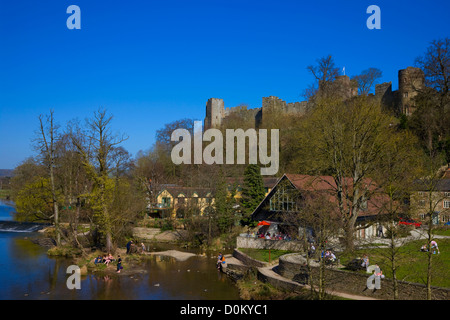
{"type": "Point", "coordinates": [27, 273]}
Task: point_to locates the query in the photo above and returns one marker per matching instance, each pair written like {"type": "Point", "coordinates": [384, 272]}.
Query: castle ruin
{"type": "Point", "coordinates": [400, 101]}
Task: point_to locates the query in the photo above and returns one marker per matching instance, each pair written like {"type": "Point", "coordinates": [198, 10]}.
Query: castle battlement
{"type": "Point", "coordinates": [400, 101]}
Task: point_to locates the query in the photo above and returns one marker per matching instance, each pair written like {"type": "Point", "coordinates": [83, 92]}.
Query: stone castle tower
{"type": "Point", "coordinates": [215, 113]}
{"type": "Point", "coordinates": [400, 101]}
{"type": "Point", "coordinates": [409, 81]}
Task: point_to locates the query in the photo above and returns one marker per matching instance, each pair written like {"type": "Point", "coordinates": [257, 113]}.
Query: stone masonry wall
{"type": "Point", "coordinates": [355, 283]}
{"type": "Point", "coordinates": [256, 243]}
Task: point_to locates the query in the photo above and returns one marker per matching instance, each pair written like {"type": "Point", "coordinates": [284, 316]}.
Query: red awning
{"type": "Point", "coordinates": [263, 223]}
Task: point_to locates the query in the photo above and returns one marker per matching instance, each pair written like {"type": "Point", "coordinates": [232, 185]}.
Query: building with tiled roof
{"type": "Point", "coordinates": [286, 197]}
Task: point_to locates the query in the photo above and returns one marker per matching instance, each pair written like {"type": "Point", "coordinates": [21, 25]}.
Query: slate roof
{"type": "Point", "coordinates": [442, 185]}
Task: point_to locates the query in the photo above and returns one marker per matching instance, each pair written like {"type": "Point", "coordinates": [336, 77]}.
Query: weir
{"type": "Point", "coordinates": [17, 226]}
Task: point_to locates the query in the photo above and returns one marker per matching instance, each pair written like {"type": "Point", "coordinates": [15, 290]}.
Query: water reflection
{"type": "Point", "coordinates": [28, 273]}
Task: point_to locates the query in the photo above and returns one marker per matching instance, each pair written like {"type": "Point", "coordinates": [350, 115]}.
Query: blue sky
{"type": "Point", "coordinates": [152, 62]}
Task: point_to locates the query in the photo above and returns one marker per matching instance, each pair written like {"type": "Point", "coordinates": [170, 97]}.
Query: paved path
{"type": "Point", "coordinates": [269, 273]}
{"type": "Point", "coordinates": [276, 279]}
{"type": "Point", "coordinates": [416, 234]}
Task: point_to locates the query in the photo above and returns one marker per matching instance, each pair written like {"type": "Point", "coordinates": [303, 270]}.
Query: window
{"type": "Point", "coordinates": [283, 200]}
{"type": "Point", "coordinates": [166, 202]}
{"type": "Point", "coordinates": [421, 203]}
{"type": "Point", "coordinates": [447, 194]}
{"type": "Point", "coordinates": [446, 204]}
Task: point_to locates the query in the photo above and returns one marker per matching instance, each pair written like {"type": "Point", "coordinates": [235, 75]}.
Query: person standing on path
{"type": "Point", "coordinates": [380, 231]}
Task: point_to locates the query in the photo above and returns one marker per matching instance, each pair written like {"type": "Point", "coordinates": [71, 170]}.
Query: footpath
{"type": "Point", "coordinates": [268, 274]}
{"type": "Point", "coordinates": [416, 234]}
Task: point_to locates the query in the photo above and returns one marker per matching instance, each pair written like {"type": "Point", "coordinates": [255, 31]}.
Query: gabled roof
{"type": "Point", "coordinates": [442, 185]}
{"type": "Point", "coordinates": [325, 184]}
{"type": "Point", "coordinates": [316, 183]}
{"type": "Point", "coordinates": [269, 182]}
{"type": "Point", "coordinates": [188, 192]}
{"type": "Point", "coordinates": [439, 185]}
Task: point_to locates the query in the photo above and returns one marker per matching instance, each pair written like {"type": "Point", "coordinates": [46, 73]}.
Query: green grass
{"type": "Point", "coordinates": [4, 193]}
{"type": "Point", "coordinates": [412, 263]}
{"type": "Point", "coordinates": [443, 231]}
{"type": "Point", "coordinates": [263, 254]}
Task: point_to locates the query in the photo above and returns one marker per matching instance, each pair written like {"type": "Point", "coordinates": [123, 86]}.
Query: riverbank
{"type": "Point", "coordinates": [30, 273]}
{"type": "Point", "coordinates": [265, 283]}
{"type": "Point", "coordinates": [259, 279]}
{"type": "Point", "coordinates": [132, 263]}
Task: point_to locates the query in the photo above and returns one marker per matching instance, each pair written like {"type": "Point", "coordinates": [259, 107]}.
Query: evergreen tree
{"type": "Point", "coordinates": [223, 205]}
{"type": "Point", "coordinates": [253, 192]}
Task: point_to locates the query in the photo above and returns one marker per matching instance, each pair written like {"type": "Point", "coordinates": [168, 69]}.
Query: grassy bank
{"type": "Point", "coordinates": [412, 263]}
{"type": "Point", "coordinates": [264, 255]}
{"type": "Point", "coordinates": [442, 231]}
{"type": "Point", "coordinates": [5, 193]}
{"type": "Point", "coordinates": [250, 288]}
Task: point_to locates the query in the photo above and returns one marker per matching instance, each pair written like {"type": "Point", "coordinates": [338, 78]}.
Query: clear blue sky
{"type": "Point", "coordinates": [153, 62]}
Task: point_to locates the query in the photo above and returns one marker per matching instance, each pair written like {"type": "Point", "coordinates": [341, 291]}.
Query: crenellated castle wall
{"type": "Point", "coordinates": [400, 101]}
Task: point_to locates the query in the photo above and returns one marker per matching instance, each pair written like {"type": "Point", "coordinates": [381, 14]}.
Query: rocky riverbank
{"type": "Point", "coordinates": [133, 264]}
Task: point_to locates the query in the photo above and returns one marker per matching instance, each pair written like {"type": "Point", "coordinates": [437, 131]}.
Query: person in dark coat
{"type": "Point", "coordinates": [119, 264]}
{"type": "Point", "coordinates": [129, 246]}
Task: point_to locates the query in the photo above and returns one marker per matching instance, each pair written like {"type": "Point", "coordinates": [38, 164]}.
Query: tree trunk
{"type": "Point", "coordinates": [430, 255]}
{"type": "Point", "coordinates": [322, 279]}
{"type": "Point", "coordinates": [349, 236]}
{"type": "Point", "coordinates": [394, 266]}
{"type": "Point", "coordinates": [49, 147]}
{"type": "Point", "coordinates": [108, 241]}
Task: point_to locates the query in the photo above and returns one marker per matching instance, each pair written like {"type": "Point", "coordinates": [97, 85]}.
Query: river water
{"type": "Point", "coordinates": [27, 273]}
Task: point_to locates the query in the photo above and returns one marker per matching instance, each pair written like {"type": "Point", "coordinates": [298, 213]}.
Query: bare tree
{"type": "Point", "coordinates": [149, 172]}
{"type": "Point", "coordinates": [313, 212]}
{"type": "Point", "coordinates": [322, 216]}
{"type": "Point", "coordinates": [429, 184]}
{"type": "Point", "coordinates": [344, 139]}
{"type": "Point", "coordinates": [431, 119]}
{"type": "Point", "coordinates": [399, 166]}
{"type": "Point", "coordinates": [73, 182]}
{"type": "Point", "coordinates": [324, 72]}
{"type": "Point", "coordinates": [46, 144]}
{"type": "Point", "coordinates": [435, 64]}
{"type": "Point", "coordinates": [367, 79]}
{"type": "Point", "coordinates": [98, 159]}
